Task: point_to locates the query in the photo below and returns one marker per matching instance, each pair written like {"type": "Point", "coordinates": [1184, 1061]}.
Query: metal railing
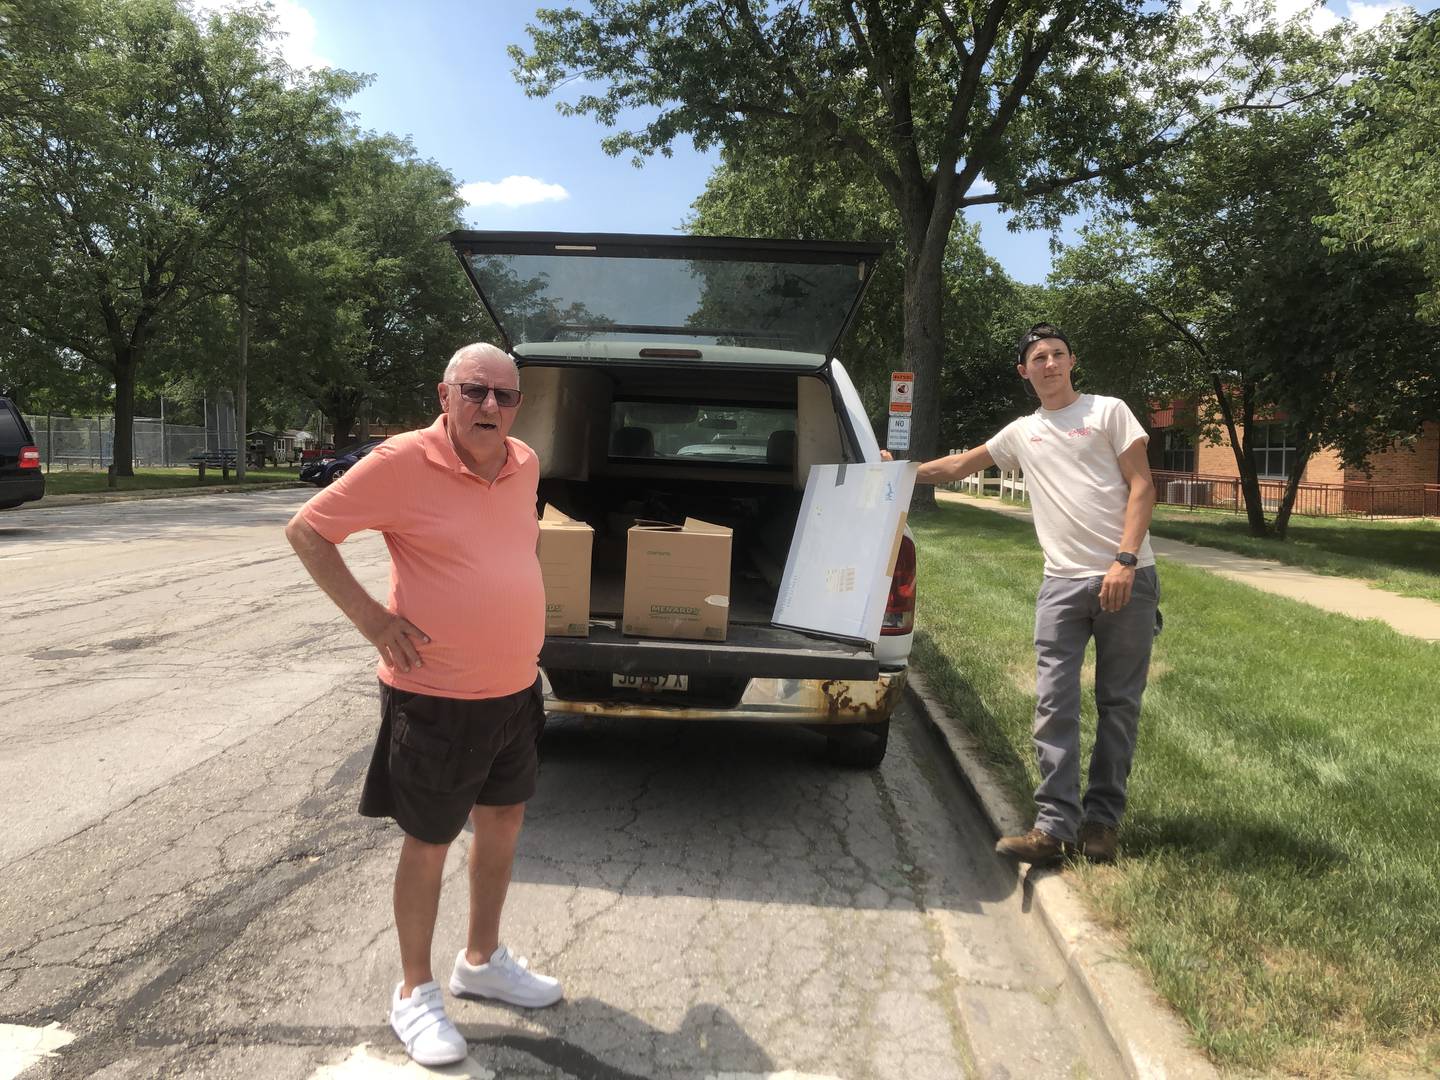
{"type": "Point", "coordinates": [1311, 500]}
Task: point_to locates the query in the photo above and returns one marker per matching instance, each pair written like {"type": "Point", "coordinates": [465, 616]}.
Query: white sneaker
{"type": "Point", "coordinates": [421, 1024]}
{"type": "Point", "coordinates": [505, 978]}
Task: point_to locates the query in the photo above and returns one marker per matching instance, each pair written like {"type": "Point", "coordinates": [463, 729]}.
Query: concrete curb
{"type": "Point", "coordinates": [88, 498]}
{"type": "Point", "coordinates": [1150, 1041]}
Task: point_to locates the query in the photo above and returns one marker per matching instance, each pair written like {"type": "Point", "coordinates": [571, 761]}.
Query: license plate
{"type": "Point", "coordinates": [651, 682]}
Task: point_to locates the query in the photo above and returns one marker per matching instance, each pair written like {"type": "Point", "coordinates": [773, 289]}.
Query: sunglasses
{"type": "Point", "coordinates": [505, 397]}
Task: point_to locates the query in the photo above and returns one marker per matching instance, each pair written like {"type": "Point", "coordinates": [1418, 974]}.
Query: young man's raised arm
{"type": "Point", "coordinates": [955, 466]}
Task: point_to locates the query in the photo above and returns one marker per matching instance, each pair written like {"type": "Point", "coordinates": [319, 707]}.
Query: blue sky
{"type": "Point", "coordinates": [442, 77]}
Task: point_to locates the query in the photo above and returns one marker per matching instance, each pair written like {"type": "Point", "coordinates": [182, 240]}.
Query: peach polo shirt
{"type": "Point", "coordinates": [463, 566]}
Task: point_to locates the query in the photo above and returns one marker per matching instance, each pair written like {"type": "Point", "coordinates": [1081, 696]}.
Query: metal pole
{"type": "Point", "coordinates": [164, 457]}
{"type": "Point", "coordinates": [49, 442]}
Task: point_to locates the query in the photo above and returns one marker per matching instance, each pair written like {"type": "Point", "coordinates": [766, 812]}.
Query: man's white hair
{"type": "Point", "coordinates": [474, 352]}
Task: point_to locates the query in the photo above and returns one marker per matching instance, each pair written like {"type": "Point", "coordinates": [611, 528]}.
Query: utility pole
{"type": "Point", "coordinates": [242, 434]}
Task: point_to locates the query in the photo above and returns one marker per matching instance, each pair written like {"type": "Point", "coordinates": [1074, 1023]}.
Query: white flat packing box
{"type": "Point", "coordinates": [837, 575]}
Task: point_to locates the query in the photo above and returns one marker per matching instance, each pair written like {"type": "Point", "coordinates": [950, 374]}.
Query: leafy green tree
{"type": "Point", "coordinates": [133, 141]}
{"type": "Point", "coordinates": [374, 302]}
{"type": "Point", "coordinates": [931, 101]}
{"type": "Point", "coordinates": [1387, 186]}
{"type": "Point", "coordinates": [793, 197]}
{"type": "Point", "coordinates": [1227, 284]}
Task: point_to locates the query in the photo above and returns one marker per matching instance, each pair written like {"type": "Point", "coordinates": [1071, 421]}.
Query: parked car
{"type": "Point", "coordinates": [21, 480]}
{"type": "Point", "coordinates": [326, 470]}
{"type": "Point", "coordinates": [670, 377]}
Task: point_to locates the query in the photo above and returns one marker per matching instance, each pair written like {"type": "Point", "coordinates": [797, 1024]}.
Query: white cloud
{"type": "Point", "coordinates": [511, 192]}
{"type": "Point", "coordinates": [294, 24]}
{"type": "Point", "coordinates": [1369, 16]}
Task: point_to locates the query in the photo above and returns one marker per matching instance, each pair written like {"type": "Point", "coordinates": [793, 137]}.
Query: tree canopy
{"type": "Point", "coordinates": [1221, 281]}
{"type": "Point", "coordinates": [939, 105]}
{"type": "Point", "coordinates": [1387, 181]}
{"type": "Point", "coordinates": [181, 207]}
{"type": "Point", "coordinates": [133, 138]}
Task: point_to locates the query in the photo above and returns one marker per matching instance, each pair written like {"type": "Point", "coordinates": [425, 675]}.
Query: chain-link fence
{"type": "Point", "coordinates": [88, 442]}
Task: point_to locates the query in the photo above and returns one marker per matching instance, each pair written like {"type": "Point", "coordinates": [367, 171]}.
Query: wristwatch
{"type": "Point", "coordinates": [1127, 558]}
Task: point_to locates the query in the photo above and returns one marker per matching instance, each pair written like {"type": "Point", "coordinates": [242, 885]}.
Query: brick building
{"type": "Point", "coordinates": [1175, 449]}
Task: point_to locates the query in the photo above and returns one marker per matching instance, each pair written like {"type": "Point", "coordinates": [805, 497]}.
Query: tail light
{"type": "Point", "coordinates": [900, 608]}
{"type": "Point", "coordinates": [29, 457]}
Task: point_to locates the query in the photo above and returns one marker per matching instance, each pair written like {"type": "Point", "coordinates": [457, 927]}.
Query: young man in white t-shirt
{"type": "Point", "coordinates": [1088, 481]}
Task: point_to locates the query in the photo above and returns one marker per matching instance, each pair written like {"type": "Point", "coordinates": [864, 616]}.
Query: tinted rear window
{"type": "Point", "coordinates": [12, 430]}
{"type": "Point", "coordinates": [789, 306]}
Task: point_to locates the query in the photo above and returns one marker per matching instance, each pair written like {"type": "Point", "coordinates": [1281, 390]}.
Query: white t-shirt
{"type": "Point", "coordinates": [1071, 460]}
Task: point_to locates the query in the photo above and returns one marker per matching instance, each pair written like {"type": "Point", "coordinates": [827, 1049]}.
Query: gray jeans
{"type": "Point", "coordinates": [1067, 615]}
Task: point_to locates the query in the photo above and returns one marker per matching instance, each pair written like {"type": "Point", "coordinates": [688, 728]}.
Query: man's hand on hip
{"type": "Point", "coordinates": [394, 638]}
{"type": "Point", "coordinates": [1115, 589]}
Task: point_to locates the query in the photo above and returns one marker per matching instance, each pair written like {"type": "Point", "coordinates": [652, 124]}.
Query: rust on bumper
{"type": "Point", "coordinates": [782, 701]}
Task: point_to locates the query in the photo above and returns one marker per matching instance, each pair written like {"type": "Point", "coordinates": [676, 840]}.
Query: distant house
{"type": "Point", "coordinates": [268, 444]}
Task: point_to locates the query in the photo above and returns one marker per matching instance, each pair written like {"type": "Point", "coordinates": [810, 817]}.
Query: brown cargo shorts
{"type": "Point", "coordinates": [436, 758]}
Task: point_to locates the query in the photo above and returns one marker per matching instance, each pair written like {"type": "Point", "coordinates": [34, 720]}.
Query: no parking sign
{"type": "Point", "coordinates": [902, 393]}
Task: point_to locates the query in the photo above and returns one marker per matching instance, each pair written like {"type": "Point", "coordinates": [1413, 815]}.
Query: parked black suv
{"type": "Point", "coordinates": [21, 480]}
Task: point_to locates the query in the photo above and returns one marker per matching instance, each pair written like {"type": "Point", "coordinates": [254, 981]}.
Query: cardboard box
{"type": "Point", "coordinates": [677, 580]}
{"type": "Point", "coordinates": [565, 566]}
{"type": "Point", "coordinates": [842, 557]}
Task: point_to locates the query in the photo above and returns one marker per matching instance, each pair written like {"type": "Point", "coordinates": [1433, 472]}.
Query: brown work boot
{"type": "Point", "coordinates": [1098, 843]}
{"type": "Point", "coordinates": [1036, 847]}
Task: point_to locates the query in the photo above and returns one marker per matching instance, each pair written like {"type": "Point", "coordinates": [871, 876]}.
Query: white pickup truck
{"type": "Point", "coordinates": [668, 377]}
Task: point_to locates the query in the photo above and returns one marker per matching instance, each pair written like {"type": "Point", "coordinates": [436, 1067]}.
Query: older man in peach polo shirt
{"type": "Point", "coordinates": [459, 642]}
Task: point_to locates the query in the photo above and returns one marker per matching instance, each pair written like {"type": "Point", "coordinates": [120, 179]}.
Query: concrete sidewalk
{"type": "Point", "coordinates": [1409, 615]}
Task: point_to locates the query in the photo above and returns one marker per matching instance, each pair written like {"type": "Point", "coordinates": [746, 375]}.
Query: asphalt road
{"type": "Point", "coordinates": [186, 890]}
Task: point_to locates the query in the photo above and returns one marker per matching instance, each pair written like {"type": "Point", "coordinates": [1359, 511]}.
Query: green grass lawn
{"type": "Point", "coordinates": [1401, 556]}
{"type": "Point", "coordinates": [78, 482]}
{"type": "Point", "coordinates": [1282, 848]}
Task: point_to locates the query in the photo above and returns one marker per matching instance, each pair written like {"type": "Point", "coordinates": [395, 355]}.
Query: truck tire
{"type": "Point", "coordinates": [858, 746]}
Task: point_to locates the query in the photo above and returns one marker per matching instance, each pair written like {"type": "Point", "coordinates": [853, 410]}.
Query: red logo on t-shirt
{"type": "Point", "coordinates": [1078, 432]}
{"type": "Point", "coordinates": [1037, 438]}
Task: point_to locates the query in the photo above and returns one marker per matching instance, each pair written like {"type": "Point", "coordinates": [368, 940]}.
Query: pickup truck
{"type": "Point", "coordinates": [668, 377]}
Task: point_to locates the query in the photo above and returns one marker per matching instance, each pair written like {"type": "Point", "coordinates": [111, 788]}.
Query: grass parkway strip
{"type": "Point", "coordinates": [85, 482]}
{"type": "Point", "coordinates": [1282, 846]}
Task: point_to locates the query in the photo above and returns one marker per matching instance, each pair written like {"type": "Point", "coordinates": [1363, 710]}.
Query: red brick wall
{"type": "Point", "coordinates": [1324, 468]}
{"type": "Point", "coordinates": [1215, 459]}
{"type": "Point", "coordinates": [1417, 463]}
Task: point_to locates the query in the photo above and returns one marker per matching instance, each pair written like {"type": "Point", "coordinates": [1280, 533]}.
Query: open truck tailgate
{"type": "Point", "coordinates": [757, 652]}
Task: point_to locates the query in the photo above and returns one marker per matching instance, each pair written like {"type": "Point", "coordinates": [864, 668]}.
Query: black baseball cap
{"type": "Point", "coordinates": [1041, 331]}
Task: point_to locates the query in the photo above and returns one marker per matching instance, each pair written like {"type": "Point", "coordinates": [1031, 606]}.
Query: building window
{"type": "Point", "coordinates": [1274, 450]}
{"type": "Point", "coordinates": [1179, 451]}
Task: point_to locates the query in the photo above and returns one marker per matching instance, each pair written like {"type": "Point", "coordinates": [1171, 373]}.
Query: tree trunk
{"type": "Point", "coordinates": [1249, 477]}
{"type": "Point", "coordinates": [342, 430]}
{"type": "Point", "coordinates": [1240, 447]}
{"type": "Point", "coordinates": [122, 455]}
{"type": "Point", "coordinates": [242, 426]}
{"type": "Point", "coordinates": [1303, 452]}
{"type": "Point", "coordinates": [924, 341]}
